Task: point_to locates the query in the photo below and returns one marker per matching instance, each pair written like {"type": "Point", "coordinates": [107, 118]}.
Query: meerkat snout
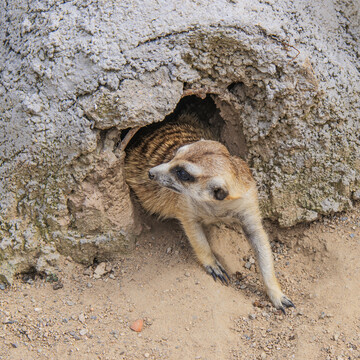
{"type": "Point", "coordinates": [165, 177]}
{"type": "Point", "coordinates": [151, 175]}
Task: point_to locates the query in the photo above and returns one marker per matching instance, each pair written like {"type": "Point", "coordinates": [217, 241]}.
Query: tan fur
{"type": "Point", "coordinates": [195, 180]}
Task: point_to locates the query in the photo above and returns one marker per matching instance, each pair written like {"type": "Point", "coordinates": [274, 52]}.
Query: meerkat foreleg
{"type": "Point", "coordinates": [203, 252]}
{"type": "Point", "coordinates": [255, 233]}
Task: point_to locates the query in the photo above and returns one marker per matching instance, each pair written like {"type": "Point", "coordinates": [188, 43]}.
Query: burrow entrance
{"type": "Point", "coordinates": [218, 115]}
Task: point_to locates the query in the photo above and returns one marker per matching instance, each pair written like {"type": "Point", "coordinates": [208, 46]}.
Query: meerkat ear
{"type": "Point", "coordinates": [220, 193]}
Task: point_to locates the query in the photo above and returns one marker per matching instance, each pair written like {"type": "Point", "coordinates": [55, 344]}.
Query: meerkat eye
{"type": "Point", "coordinates": [183, 175]}
{"type": "Point", "coordinates": [220, 194]}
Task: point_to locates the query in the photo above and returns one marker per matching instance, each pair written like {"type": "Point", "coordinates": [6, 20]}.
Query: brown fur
{"type": "Point", "coordinates": [195, 180]}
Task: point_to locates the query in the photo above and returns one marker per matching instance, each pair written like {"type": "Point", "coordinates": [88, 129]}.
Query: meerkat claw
{"type": "Point", "coordinates": [218, 272]}
{"type": "Point", "coordinates": [285, 303]}
{"type": "Point", "coordinates": [224, 280]}
{"type": "Point", "coordinates": [212, 273]}
{"type": "Point", "coordinates": [226, 277]}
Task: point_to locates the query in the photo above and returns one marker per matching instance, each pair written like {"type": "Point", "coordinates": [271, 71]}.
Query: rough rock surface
{"type": "Point", "coordinates": [284, 77]}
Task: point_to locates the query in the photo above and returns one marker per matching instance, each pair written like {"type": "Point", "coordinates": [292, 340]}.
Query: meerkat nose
{"type": "Point", "coordinates": [151, 175]}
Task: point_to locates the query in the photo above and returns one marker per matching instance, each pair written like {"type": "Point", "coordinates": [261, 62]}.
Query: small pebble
{"type": "Point", "coordinates": [87, 271]}
{"type": "Point", "coordinates": [187, 274]}
{"type": "Point", "coordinates": [146, 355]}
{"type": "Point", "coordinates": [100, 270]}
{"type": "Point", "coordinates": [37, 309]}
{"type": "Point", "coordinates": [70, 303]}
{"type": "Point", "coordinates": [58, 286]}
{"type": "Point", "coordinates": [115, 334]}
{"type": "Point", "coordinates": [259, 304]}
{"type": "Point", "coordinates": [2, 286]}
{"type": "Point", "coordinates": [352, 235]}
{"type": "Point", "coordinates": [74, 335]}
{"type": "Point", "coordinates": [14, 345]}
{"type": "Point", "coordinates": [83, 332]}
{"type": "Point", "coordinates": [168, 250]}
{"type": "Point", "coordinates": [82, 318]}
{"type": "Point", "coordinates": [137, 325]}
{"type": "Point", "coordinates": [252, 316]}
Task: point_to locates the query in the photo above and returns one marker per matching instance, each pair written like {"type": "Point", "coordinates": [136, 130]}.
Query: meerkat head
{"type": "Point", "coordinates": [203, 171]}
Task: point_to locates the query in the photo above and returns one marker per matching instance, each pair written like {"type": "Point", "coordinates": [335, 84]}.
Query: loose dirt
{"type": "Point", "coordinates": [86, 313]}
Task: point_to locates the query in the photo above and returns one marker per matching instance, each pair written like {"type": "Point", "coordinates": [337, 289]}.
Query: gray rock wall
{"type": "Point", "coordinates": [283, 75]}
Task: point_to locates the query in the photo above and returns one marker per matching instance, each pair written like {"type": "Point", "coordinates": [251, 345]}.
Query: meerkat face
{"type": "Point", "coordinates": [202, 171]}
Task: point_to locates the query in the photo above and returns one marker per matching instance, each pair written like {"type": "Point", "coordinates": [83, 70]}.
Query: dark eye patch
{"type": "Point", "coordinates": [182, 174]}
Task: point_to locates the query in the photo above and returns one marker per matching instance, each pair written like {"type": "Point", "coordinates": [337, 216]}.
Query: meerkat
{"type": "Point", "coordinates": [180, 171]}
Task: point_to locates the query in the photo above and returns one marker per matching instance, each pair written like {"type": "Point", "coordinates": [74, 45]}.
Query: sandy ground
{"type": "Point", "coordinates": [86, 313]}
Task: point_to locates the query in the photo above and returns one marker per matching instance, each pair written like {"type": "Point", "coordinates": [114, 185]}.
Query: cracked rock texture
{"type": "Point", "coordinates": [284, 77]}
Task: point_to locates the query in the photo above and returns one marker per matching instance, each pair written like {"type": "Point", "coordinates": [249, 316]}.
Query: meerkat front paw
{"type": "Point", "coordinates": [217, 271]}
{"type": "Point", "coordinates": [281, 302]}
{"type": "Point", "coordinates": [285, 302]}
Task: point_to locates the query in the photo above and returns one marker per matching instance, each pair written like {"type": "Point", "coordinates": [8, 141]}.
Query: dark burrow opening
{"type": "Point", "coordinates": [31, 274]}
{"type": "Point", "coordinates": [220, 117]}
{"type": "Point", "coordinates": [204, 109]}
